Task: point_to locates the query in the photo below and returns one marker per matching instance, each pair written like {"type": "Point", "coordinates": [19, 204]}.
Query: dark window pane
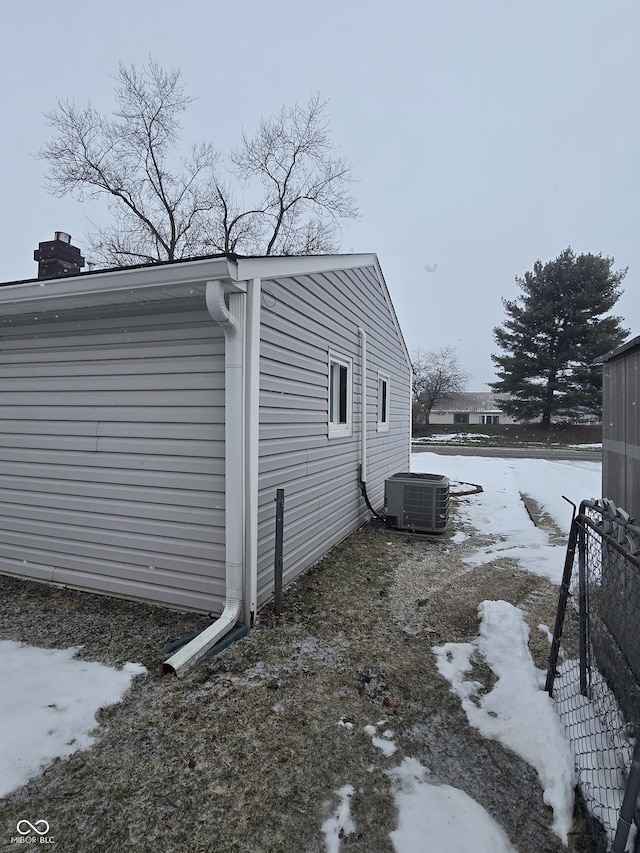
{"type": "Point", "coordinates": [342, 412]}
{"type": "Point", "coordinates": [332, 393]}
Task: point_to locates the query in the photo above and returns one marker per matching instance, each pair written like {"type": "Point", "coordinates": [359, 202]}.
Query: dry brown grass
{"type": "Point", "coordinates": [246, 753]}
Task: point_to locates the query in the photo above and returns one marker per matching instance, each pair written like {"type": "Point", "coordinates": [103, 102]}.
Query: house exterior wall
{"type": "Point", "coordinates": [470, 407]}
{"type": "Point", "coordinates": [440, 417]}
{"type": "Point", "coordinates": [303, 320]}
{"type": "Point", "coordinates": [112, 453]}
{"type": "Point", "coordinates": [621, 430]}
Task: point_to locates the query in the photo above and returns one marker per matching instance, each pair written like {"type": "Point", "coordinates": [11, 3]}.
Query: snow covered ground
{"type": "Point", "coordinates": [447, 816]}
{"type": "Point", "coordinates": [48, 706]}
{"type": "Point", "coordinates": [516, 711]}
{"type": "Point", "coordinates": [449, 437]}
{"type": "Point", "coordinates": [500, 512]}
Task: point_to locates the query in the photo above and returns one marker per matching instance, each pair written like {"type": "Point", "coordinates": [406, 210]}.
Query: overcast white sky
{"type": "Point", "coordinates": [485, 135]}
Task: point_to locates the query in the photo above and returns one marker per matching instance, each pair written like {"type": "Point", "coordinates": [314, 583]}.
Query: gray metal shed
{"type": "Point", "coordinates": [621, 427]}
{"type": "Point", "coordinates": [148, 415]}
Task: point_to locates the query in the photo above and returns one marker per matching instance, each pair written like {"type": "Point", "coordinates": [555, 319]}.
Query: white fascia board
{"type": "Point", "coordinates": [275, 266]}
{"type": "Point", "coordinates": [130, 283]}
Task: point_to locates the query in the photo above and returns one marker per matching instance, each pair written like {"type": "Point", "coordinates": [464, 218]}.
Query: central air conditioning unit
{"type": "Point", "coordinates": [417, 502]}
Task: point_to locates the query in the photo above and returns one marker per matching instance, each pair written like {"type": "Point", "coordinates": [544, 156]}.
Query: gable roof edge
{"type": "Point", "coordinates": [273, 266]}
{"type": "Point", "coordinates": [392, 310]}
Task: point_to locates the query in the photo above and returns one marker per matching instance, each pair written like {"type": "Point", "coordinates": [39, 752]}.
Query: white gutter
{"type": "Point", "coordinates": [233, 327]}
{"type": "Point", "coordinates": [127, 280]}
{"type": "Point", "coordinates": [363, 405]}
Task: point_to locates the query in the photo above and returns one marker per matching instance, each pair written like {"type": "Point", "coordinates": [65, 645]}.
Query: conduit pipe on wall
{"type": "Point", "coordinates": [363, 405]}
{"type": "Point", "coordinates": [234, 479]}
{"type": "Point", "coordinates": [363, 424]}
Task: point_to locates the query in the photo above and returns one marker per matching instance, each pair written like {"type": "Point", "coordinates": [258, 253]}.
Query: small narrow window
{"type": "Point", "coordinates": [340, 395]}
{"type": "Point", "coordinates": [383, 403]}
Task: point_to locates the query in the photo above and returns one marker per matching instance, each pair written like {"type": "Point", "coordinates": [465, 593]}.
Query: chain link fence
{"type": "Point", "coordinates": [594, 669]}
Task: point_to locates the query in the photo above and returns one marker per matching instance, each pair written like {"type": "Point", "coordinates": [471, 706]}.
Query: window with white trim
{"type": "Point", "coordinates": [340, 395]}
{"type": "Point", "coordinates": [383, 402]}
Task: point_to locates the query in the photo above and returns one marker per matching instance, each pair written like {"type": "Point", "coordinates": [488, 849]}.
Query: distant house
{"type": "Point", "coordinates": [621, 427]}
{"type": "Point", "coordinates": [470, 408]}
{"type": "Point", "coordinates": [149, 414]}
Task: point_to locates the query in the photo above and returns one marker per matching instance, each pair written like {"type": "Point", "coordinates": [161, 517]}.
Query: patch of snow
{"type": "Point", "coordinates": [48, 706]}
{"type": "Point", "coordinates": [340, 823]}
{"type": "Point", "coordinates": [386, 746]}
{"type": "Point", "coordinates": [384, 742]}
{"type": "Point", "coordinates": [540, 558]}
{"type": "Point", "coordinates": [451, 436]}
{"type": "Point", "coordinates": [499, 511]}
{"type": "Point", "coordinates": [546, 632]}
{"type": "Point", "coordinates": [516, 712]}
{"type": "Point", "coordinates": [449, 818]}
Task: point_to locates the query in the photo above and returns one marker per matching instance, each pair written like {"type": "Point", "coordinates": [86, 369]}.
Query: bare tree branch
{"type": "Point", "coordinates": [166, 207]}
{"type": "Point", "coordinates": [292, 158]}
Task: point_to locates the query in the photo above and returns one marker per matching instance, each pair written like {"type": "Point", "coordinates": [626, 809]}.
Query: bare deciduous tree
{"type": "Point", "coordinates": [160, 210]}
{"type": "Point", "coordinates": [436, 374]}
{"type": "Point", "coordinates": [304, 185]}
{"type": "Point", "coordinates": [166, 207]}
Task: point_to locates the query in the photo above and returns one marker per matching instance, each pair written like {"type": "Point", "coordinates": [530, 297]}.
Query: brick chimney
{"type": "Point", "coordinates": [58, 257]}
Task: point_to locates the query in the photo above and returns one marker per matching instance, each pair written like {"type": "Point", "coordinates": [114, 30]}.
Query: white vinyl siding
{"type": "Point", "coordinates": [308, 320]}
{"type": "Point", "coordinates": [112, 454]}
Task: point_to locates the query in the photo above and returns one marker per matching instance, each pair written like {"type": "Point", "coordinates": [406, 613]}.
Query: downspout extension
{"type": "Point", "coordinates": [198, 647]}
{"type": "Point", "coordinates": [363, 492]}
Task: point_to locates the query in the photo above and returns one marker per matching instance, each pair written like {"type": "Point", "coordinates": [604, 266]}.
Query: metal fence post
{"type": "Point", "coordinates": [628, 803]}
{"type": "Point", "coordinates": [277, 606]}
{"type": "Point", "coordinates": [603, 698]}
{"type": "Point", "coordinates": [582, 608]}
{"type": "Point", "coordinates": [562, 607]}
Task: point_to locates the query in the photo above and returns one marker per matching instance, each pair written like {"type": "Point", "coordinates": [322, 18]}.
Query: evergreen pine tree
{"type": "Point", "coordinates": [553, 333]}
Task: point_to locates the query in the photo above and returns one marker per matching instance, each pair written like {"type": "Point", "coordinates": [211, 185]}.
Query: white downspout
{"type": "Point", "coordinates": [252, 433]}
{"type": "Point", "coordinates": [234, 476]}
{"type": "Point", "coordinates": [363, 405]}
